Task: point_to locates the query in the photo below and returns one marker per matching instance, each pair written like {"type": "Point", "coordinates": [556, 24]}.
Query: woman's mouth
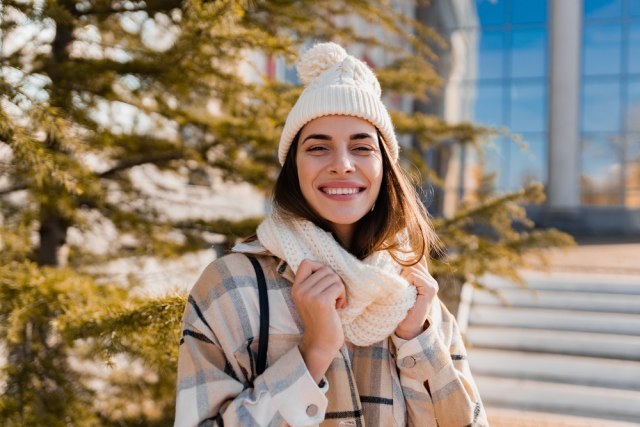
{"type": "Point", "coordinates": [341, 191]}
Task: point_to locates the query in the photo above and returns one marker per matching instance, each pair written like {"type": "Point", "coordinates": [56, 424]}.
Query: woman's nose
{"type": "Point", "coordinates": [342, 162]}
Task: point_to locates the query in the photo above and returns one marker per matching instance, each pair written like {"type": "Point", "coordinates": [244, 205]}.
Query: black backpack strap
{"type": "Point", "coordinates": [263, 344]}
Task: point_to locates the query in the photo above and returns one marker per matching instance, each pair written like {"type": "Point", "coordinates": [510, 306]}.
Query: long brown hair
{"type": "Point", "coordinates": [397, 208]}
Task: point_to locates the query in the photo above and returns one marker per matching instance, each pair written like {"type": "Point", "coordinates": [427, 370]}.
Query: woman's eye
{"type": "Point", "coordinates": [317, 148]}
{"type": "Point", "coordinates": [364, 148]}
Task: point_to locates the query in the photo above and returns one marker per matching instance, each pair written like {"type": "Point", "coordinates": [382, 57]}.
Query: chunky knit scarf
{"type": "Point", "coordinates": [378, 297]}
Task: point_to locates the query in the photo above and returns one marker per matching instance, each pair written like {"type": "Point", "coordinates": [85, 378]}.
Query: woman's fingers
{"type": "Point", "coordinates": [427, 288]}
{"type": "Point", "coordinates": [419, 277]}
{"type": "Point", "coordinates": [319, 284]}
{"type": "Point", "coordinates": [330, 290]}
{"type": "Point", "coordinates": [318, 281]}
{"type": "Point", "coordinates": [308, 274]}
{"type": "Point", "coordinates": [336, 294]}
{"type": "Point", "coordinates": [317, 292]}
{"type": "Point", "coordinates": [306, 269]}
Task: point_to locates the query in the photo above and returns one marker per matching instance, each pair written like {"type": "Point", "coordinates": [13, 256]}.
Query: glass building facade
{"type": "Point", "coordinates": [610, 103]}
{"type": "Point", "coordinates": [510, 88]}
{"type": "Point", "coordinates": [508, 85]}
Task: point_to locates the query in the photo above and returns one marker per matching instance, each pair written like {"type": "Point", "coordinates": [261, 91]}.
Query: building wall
{"type": "Point", "coordinates": [564, 76]}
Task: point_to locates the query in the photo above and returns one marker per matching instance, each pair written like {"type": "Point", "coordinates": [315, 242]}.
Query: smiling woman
{"type": "Point", "coordinates": [356, 333]}
{"type": "Point", "coordinates": [340, 170]}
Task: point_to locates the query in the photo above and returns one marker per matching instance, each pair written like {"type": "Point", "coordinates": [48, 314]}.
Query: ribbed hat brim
{"type": "Point", "coordinates": [337, 100]}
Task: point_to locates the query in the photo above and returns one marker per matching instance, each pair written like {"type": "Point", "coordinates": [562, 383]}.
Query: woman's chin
{"type": "Point", "coordinates": [344, 220]}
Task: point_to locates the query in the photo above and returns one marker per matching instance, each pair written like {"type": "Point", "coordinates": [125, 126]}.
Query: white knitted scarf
{"type": "Point", "coordinates": [378, 297]}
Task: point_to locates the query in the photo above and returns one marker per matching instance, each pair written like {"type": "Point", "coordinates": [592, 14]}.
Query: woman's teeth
{"type": "Point", "coordinates": [341, 191]}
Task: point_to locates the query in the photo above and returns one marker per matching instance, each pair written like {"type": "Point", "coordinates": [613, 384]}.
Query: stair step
{"type": "Point", "coordinates": [503, 417]}
{"type": "Point", "coordinates": [538, 318]}
{"type": "Point", "coordinates": [588, 301]}
{"type": "Point", "coordinates": [563, 342]}
{"type": "Point", "coordinates": [579, 370]}
{"type": "Point", "coordinates": [623, 405]}
{"type": "Point", "coordinates": [626, 285]}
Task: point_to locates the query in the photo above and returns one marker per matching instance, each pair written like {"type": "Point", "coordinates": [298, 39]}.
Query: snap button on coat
{"type": "Point", "coordinates": [409, 362]}
{"type": "Point", "coordinates": [312, 410]}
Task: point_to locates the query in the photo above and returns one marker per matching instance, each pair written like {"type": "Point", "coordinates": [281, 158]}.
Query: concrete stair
{"type": "Point", "coordinates": [567, 344]}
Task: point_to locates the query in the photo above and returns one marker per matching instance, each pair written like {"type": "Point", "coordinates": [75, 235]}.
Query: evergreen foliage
{"type": "Point", "coordinates": [92, 90]}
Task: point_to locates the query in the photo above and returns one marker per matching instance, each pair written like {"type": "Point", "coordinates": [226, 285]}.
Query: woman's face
{"type": "Point", "coordinates": [340, 170]}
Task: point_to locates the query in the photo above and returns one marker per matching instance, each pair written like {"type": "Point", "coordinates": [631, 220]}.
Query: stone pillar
{"type": "Point", "coordinates": [565, 36]}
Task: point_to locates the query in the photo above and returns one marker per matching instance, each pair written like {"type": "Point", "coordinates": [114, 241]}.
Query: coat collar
{"type": "Point", "coordinates": [254, 247]}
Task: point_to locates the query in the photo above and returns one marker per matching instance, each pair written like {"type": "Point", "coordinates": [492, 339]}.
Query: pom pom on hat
{"type": "Point", "coordinates": [337, 83]}
{"type": "Point", "coordinates": [319, 59]}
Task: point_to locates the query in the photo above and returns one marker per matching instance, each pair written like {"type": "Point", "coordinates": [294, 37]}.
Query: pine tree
{"type": "Point", "coordinates": [92, 90]}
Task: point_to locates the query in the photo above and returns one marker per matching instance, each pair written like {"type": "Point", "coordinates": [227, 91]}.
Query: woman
{"type": "Point", "coordinates": [357, 335]}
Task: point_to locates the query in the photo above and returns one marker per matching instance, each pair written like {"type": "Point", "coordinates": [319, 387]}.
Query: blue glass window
{"type": "Point", "coordinates": [634, 7]}
{"type": "Point", "coordinates": [633, 161]}
{"type": "Point", "coordinates": [528, 48]}
{"type": "Point", "coordinates": [509, 88]}
{"type": "Point", "coordinates": [528, 107]}
{"type": "Point", "coordinates": [528, 11]}
{"type": "Point", "coordinates": [602, 49]}
{"type": "Point", "coordinates": [495, 160]}
{"type": "Point", "coordinates": [633, 48]}
{"type": "Point", "coordinates": [632, 112]}
{"type": "Point", "coordinates": [596, 9]}
{"type": "Point", "coordinates": [602, 156]}
{"type": "Point", "coordinates": [490, 12]}
{"type": "Point", "coordinates": [488, 106]}
{"type": "Point", "coordinates": [528, 164]}
{"type": "Point", "coordinates": [601, 107]}
{"type": "Point", "coordinates": [491, 55]}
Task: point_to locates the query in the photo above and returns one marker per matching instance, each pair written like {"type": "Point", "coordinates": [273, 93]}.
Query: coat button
{"type": "Point", "coordinates": [312, 410]}
{"type": "Point", "coordinates": [409, 362]}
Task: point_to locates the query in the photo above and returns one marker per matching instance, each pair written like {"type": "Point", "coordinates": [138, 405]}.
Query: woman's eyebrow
{"type": "Point", "coordinates": [318, 136]}
{"type": "Point", "coordinates": [324, 137]}
{"type": "Point", "coordinates": [361, 135]}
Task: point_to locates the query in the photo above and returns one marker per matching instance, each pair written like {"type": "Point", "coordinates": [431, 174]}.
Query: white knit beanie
{"type": "Point", "coordinates": [336, 83]}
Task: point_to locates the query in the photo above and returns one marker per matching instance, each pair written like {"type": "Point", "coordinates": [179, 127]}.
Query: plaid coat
{"type": "Point", "coordinates": [421, 382]}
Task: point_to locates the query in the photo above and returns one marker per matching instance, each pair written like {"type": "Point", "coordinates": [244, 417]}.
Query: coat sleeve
{"type": "Point", "coordinates": [209, 392]}
{"type": "Point", "coordinates": [212, 389]}
{"type": "Point", "coordinates": [435, 376]}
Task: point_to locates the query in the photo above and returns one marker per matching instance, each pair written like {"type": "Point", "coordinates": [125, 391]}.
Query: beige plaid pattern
{"type": "Point", "coordinates": [422, 382]}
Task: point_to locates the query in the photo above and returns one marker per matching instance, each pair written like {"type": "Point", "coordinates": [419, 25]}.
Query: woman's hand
{"type": "Point", "coordinates": [317, 293]}
{"type": "Point", "coordinates": [416, 320]}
